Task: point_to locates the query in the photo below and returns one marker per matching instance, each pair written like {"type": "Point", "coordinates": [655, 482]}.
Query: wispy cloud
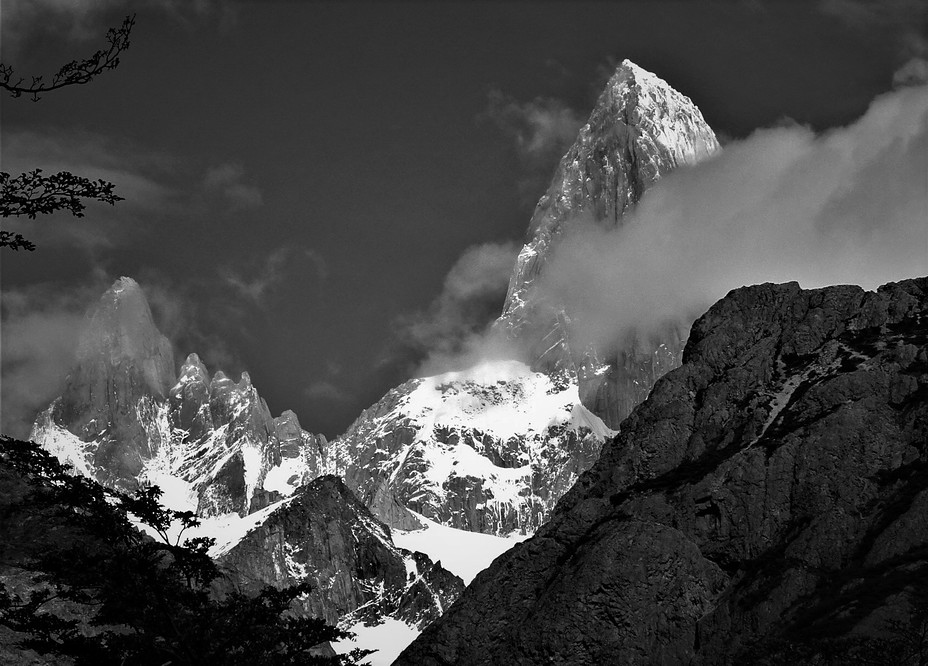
{"type": "Point", "coordinates": [81, 21]}
{"type": "Point", "coordinates": [326, 391]}
{"type": "Point", "coordinates": [256, 281]}
{"type": "Point", "coordinates": [454, 329]}
{"type": "Point", "coordinates": [228, 180]}
{"type": "Point", "coordinates": [39, 327]}
{"type": "Point", "coordinates": [542, 130]}
{"type": "Point", "coordinates": [140, 176]}
{"type": "Point", "coordinates": [845, 206]}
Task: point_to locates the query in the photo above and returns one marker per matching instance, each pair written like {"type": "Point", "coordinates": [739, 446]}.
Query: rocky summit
{"type": "Point", "coordinates": [639, 130]}
{"type": "Point", "coordinates": [768, 499]}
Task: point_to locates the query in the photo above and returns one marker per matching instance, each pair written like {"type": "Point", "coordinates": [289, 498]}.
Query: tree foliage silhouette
{"type": "Point", "coordinates": [102, 592]}
{"type": "Point", "coordinates": [32, 193]}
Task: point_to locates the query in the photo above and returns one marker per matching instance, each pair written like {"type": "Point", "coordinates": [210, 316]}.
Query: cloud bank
{"type": "Point", "coordinates": [847, 206]}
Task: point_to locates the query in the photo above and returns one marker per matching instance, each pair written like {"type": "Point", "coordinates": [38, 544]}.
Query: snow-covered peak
{"type": "Point", "coordinates": [502, 398]}
{"type": "Point", "coordinates": [124, 286]}
{"type": "Point", "coordinates": [488, 449]}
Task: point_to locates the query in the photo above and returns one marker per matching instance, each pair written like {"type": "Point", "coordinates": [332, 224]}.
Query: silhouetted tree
{"type": "Point", "coordinates": [102, 592]}
{"type": "Point", "coordinates": [33, 193]}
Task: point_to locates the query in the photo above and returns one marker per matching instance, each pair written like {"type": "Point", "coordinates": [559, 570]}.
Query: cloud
{"type": "Point", "coordinates": [140, 176]}
{"type": "Point", "coordinates": [538, 127]}
{"type": "Point", "coordinates": [453, 331]}
{"type": "Point", "coordinates": [542, 131]}
{"type": "Point", "coordinates": [39, 326]}
{"type": "Point", "coordinates": [847, 206]}
{"type": "Point", "coordinates": [325, 391]}
{"type": "Point", "coordinates": [257, 281]}
{"type": "Point", "coordinates": [226, 179]}
{"type": "Point", "coordinates": [85, 20]}
{"type": "Point", "coordinates": [912, 73]}
{"type": "Point", "coordinates": [182, 316]}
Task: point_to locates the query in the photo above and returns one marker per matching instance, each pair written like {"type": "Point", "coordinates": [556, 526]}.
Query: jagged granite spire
{"type": "Point", "coordinates": [640, 129]}
{"type": "Point", "coordinates": [123, 361]}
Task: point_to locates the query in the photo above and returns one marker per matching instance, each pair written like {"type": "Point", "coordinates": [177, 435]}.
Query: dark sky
{"type": "Point", "coordinates": [301, 177]}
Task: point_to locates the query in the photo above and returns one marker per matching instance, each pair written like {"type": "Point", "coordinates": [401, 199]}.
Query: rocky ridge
{"type": "Point", "coordinates": [770, 492]}
{"type": "Point", "coordinates": [213, 447]}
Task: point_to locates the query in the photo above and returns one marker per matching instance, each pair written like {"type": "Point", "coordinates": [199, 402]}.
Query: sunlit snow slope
{"type": "Point", "coordinates": [489, 449]}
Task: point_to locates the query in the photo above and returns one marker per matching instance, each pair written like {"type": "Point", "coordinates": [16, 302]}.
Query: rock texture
{"type": "Point", "coordinates": [772, 489]}
{"type": "Point", "coordinates": [640, 129]}
{"type": "Point", "coordinates": [324, 535]}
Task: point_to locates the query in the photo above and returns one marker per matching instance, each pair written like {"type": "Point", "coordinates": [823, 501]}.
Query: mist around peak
{"type": "Point", "coordinates": [846, 206]}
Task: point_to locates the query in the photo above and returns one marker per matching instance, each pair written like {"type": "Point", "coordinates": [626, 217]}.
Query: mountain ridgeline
{"type": "Point", "coordinates": [212, 445]}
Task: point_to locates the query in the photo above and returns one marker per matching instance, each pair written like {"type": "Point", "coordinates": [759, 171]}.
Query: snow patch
{"type": "Point", "coordinates": [286, 477]}
{"type": "Point", "coordinates": [389, 638]}
{"type": "Point", "coordinates": [461, 552]}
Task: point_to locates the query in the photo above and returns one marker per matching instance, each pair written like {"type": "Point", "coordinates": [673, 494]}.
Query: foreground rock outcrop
{"type": "Point", "coordinates": [770, 492]}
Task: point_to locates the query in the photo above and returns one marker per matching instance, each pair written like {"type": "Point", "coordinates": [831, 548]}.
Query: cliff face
{"type": "Point", "coordinates": [122, 361]}
{"type": "Point", "coordinates": [771, 489]}
{"type": "Point", "coordinates": [640, 129]}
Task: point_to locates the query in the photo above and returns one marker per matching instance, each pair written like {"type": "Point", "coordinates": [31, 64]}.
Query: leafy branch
{"type": "Point", "coordinates": [76, 72]}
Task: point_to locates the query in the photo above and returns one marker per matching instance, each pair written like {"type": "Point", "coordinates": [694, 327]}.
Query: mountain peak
{"type": "Point", "coordinates": [639, 130]}
{"type": "Point", "coordinates": [121, 326]}
{"type": "Point", "coordinates": [125, 285]}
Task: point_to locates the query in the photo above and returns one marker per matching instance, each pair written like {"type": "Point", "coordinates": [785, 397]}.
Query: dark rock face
{"type": "Point", "coordinates": [640, 129]}
{"type": "Point", "coordinates": [326, 536]}
{"type": "Point", "coordinates": [772, 488]}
